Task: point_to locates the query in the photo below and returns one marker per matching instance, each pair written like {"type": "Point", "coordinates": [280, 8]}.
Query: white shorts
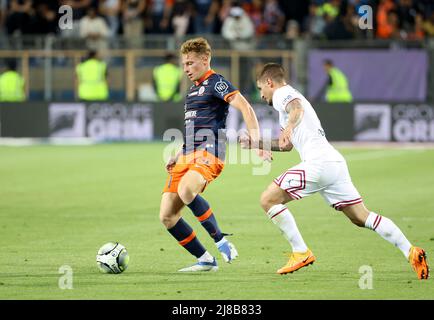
{"type": "Point", "coordinates": [330, 178]}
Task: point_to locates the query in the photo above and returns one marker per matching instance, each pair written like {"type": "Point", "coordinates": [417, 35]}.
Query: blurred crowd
{"type": "Point", "coordinates": [234, 20]}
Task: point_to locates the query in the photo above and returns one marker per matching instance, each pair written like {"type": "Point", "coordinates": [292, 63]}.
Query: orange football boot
{"type": "Point", "coordinates": [417, 258]}
{"type": "Point", "coordinates": [296, 261]}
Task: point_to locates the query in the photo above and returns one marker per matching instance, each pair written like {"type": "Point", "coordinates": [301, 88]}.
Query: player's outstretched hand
{"type": "Point", "coordinates": [245, 141]}
{"type": "Point", "coordinates": [265, 155]}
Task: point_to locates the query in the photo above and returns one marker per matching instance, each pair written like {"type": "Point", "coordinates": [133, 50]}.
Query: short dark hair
{"type": "Point", "coordinates": [273, 71]}
{"type": "Point", "coordinates": [169, 57]}
{"type": "Point", "coordinates": [91, 54]}
{"type": "Point", "coordinates": [328, 62]}
{"type": "Point", "coordinates": [11, 64]}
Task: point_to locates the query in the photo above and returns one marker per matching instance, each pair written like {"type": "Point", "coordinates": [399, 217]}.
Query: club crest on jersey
{"type": "Point", "coordinates": [201, 90]}
{"type": "Point", "coordinates": [221, 87]}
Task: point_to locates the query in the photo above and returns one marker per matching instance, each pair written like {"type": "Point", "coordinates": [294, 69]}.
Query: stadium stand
{"type": "Point", "coordinates": [283, 31]}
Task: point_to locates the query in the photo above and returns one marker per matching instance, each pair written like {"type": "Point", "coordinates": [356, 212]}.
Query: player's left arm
{"type": "Point", "coordinates": [296, 111]}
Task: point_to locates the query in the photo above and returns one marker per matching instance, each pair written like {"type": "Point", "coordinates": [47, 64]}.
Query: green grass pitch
{"type": "Point", "coordinates": [59, 204]}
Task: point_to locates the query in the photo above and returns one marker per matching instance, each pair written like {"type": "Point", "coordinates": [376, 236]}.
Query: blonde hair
{"type": "Point", "coordinates": [198, 45]}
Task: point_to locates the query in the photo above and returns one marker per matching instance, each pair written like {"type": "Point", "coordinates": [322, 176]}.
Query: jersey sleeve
{"type": "Point", "coordinates": [283, 97]}
{"type": "Point", "coordinates": [223, 89]}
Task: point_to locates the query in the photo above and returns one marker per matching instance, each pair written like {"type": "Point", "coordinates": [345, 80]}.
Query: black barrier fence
{"type": "Point", "coordinates": [24, 120]}
{"type": "Point", "coordinates": [409, 122]}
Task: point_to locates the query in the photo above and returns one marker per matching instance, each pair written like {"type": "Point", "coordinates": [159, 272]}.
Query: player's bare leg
{"type": "Point", "coordinates": [362, 217]}
{"type": "Point", "coordinates": [273, 201]}
{"type": "Point", "coordinates": [170, 216]}
{"type": "Point", "coordinates": [170, 209]}
{"type": "Point", "coordinates": [191, 184]}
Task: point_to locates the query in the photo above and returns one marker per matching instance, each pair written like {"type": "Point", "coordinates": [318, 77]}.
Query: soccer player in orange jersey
{"type": "Point", "coordinates": [201, 159]}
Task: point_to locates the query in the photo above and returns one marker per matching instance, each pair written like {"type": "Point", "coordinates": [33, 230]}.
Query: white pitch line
{"type": "Point", "coordinates": [382, 145]}
{"type": "Point", "coordinates": [380, 154]}
{"type": "Point", "coordinates": [24, 142]}
{"type": "Point", "coordinates": [417, 218]}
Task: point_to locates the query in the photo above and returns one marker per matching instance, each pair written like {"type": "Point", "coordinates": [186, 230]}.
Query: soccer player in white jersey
{"type": "Point", "coordinates": [322, 169]}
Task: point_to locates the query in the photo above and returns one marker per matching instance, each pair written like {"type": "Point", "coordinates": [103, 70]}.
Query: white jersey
{"type": "Point", "coordinates": [308, 138]}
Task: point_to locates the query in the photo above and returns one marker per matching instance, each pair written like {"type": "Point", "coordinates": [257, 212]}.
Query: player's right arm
{"type": "Point", "coordinates": [249, 116]}
{"type": "Point", "coordinates": [172, 161]}
{"type": "Point", "coordinates": [295, 111]}
{"type": "Point", "coordinates": [239, 102]}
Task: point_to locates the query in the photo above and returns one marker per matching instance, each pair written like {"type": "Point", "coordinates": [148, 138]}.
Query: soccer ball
{"type": "Point", "coordinates": [112, 258]}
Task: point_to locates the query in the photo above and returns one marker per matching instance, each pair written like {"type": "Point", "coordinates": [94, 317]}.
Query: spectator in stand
{"type": "Point", "coordinates": [92, 78]}
{"type": "Point", "coordinates": [44, 21]}
{"type": "Point", "coordinates": [406, 12]}
{"type": "Point", "coordinates": [181, 17]}
{"type": "Point", "coordinates": [418, 32]}
{"type": "Point", "coordinates": [295, 9]}
{"type": "Point", "coordinates": [292, 30]}
{"type": "Point", "coordinates": [95, 31]}
{"type": "Point", "coordinates": [158, 16]}
{"type": "Point", "coordinates": [223, 13]}
{"type": "Point", "coordinates": [274, 17]}
{"type": "Point", "coordinates": [111, 10]}
{"type": "Point", "coordinates": [12, 84]}
{"type": "Point", "coordinates": [205, 16]}
{"type": "Point", "coordinates": [390, 30]}
{"type": "Point", "coordinates": [331, 8]}
{"type": "Point", "coordinates": [428, 26]}
{"type": "Point", "coordinates": [358, 3]}
{"type": "Point", "coordinates": [79, 9]}
{"type": "Point", "coordinates": [325, 19]}
{"type": "Point", "coordinates": [166, 79]}
{"type": "Point", "coordinates": [132, 18]}
{"type": "Point", "coordinates": [238, 29]}
{"type": "Point", "coordinates": [410, 15]}
{"type": "Point", "coordinates": [224, 9]}
{"type": "Point", "coordinates": [315, 23]}
{"type": "Point", "coordinates": [426, 7]}
{"type": "Point", "coordinates": [3, 13]}
{"type": "Point", "coordinates": [385, 27]}
{"type": "Point", "coordinates": [336, 88]}
{"type": "Point", "coordinates": [256, 13]}
{"type": "Point", "coordinates": [354, 6]}
{"type": "Point", "coordinates": [18, 16]}
{"type": "Point", "coordinates": [342, 26]}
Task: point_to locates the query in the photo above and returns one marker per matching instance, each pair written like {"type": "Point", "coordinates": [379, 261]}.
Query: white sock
{"type": "Point", "coordinates": [389, 231]}
{"type": "Point", "coordinates": [219, 243]}
{"type": "Point", "coordinates": [206, 257]}
{"type": "Point", "coordinates": [281, 217]}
